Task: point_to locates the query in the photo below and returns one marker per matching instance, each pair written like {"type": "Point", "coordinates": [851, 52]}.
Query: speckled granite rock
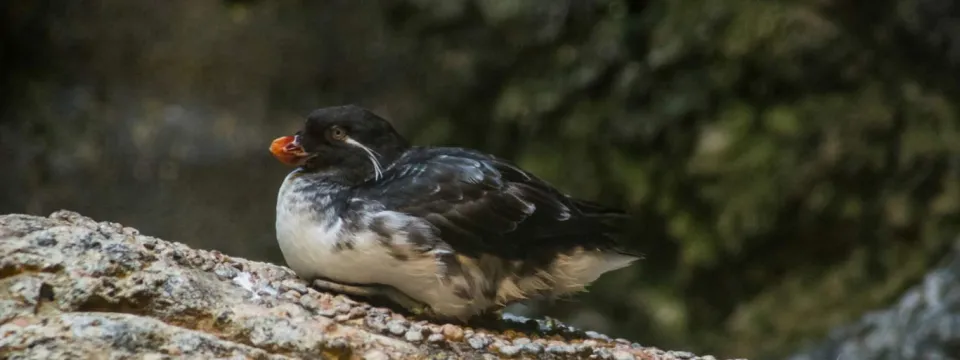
{"type": "Point", "coordinates": [74, 288]}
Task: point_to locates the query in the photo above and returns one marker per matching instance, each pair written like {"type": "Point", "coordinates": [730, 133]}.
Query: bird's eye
{"type": "Point", "coordinates": [337, 133]}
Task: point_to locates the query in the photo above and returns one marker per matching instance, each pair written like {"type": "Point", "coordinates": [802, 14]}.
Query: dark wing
{"type": "Point", "coordinates": [482, 204]}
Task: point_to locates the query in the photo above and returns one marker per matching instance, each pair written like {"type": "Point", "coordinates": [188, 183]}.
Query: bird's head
{"type": "Point", "coordinates": [349, 142]}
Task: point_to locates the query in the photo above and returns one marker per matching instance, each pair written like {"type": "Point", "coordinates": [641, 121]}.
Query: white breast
{"type": "Point", "coordinates": [312, 239]}
{"type": "Point", "coordinates": [313, 243]}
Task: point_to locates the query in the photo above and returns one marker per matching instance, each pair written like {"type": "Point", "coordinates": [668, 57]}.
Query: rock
{"type": "Point", "coordinates": [375, 355]}
{"type": "Point", "coordinates": [477, 342]}
{"type": "Point", "coordinates": [923, 324]}
{"type": "Point", "coordinates": [682, 354]}
{"type": "Point", "coordinates": [74, 288]}
{"type": "Point", "coordinates": [451, 332]}
{"type": "Point", "coordinates": [521, 341]}
{"type": "Point", "coordinates": [560, 349]}
{"type": "Point", "coordinates": [396, 327]}
{"type": "Point", "coordinates": [533, 348]}
{"type": "Point", "coordinates": [509, 350]}
{"type": "Point", "coordinates": [436, 338]}
{"type": "Point", "coordinates": [413, 336]}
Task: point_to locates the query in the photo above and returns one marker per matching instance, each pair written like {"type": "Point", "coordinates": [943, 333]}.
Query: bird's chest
{"type": "Point", "coordinates": [321, 243]}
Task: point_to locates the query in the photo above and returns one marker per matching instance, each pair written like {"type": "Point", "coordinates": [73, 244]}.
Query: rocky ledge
{"type": "Point", "coordinates": [74, 288]}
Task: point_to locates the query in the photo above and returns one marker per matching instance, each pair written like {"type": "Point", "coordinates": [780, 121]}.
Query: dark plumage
{"type": "Point", "coordinates": [449, 230]}
{"type": "Point", "coordinates": [482, 204]}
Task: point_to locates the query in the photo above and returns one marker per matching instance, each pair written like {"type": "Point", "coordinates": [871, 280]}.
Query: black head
{"type": "Point", "coordinates": [351, 143]}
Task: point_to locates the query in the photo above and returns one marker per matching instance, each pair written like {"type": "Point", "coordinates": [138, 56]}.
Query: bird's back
{"type": "Point", "coordinates": [481, 204]}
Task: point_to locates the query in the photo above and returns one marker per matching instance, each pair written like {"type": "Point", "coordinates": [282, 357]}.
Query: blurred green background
{"type": "Point", "coordinates": [790, 164]}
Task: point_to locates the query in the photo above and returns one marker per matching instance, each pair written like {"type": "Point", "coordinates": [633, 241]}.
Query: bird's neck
{"type": "Point", "coordinates": [310, 192]}
{"type": "Point", "coordinates": [324, 181]}
{"type": "Point", "coordinates": [345, 177]}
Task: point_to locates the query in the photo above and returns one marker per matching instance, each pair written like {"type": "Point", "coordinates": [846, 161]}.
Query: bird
{"type": "Point", "coordinates": [446, 232]}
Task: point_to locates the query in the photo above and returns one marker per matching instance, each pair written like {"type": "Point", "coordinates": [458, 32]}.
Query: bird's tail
{"type": "Point", "coordinates": [595, 209]}
{"type": "Point", "coordinates": [609, 221]}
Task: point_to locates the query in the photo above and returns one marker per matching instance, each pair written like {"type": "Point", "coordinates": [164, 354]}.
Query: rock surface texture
{"type": "Point", "coordinates": [923, 324]}
{"type": "Point", "coordinates": [74, 288]}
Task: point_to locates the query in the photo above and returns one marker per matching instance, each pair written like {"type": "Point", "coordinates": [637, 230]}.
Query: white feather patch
{"type": "Point", "coordinates": [371, 154]}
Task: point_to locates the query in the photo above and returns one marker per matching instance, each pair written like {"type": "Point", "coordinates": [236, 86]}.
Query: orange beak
{"type": "Point", "coordinates": [287, 149]}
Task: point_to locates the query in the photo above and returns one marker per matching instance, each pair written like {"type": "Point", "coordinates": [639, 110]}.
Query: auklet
{"type": "Point", "coordinates": [446, 232]}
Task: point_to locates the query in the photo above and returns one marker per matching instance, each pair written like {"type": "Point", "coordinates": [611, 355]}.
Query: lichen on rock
{"type": "Point", "coordinates": [73, 288]}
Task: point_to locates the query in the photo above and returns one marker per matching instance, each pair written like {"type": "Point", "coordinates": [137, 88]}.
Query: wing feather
{"type": "Point", "coordinates": [481, 204]}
